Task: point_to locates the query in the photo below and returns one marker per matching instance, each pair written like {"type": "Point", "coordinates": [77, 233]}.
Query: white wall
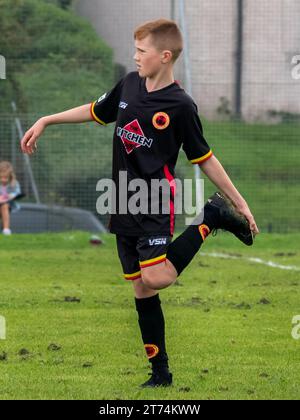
{"type": "Point", "coordinates": [271, 38]}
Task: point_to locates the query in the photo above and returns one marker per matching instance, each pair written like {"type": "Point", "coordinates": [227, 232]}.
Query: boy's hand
{"type": "Point", "coordinates": [29, 141]}
{"type": "Point", "coordinates": [245, 211]}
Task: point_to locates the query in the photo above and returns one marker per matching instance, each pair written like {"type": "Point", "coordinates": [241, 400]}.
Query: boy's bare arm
{"type": "Point", "coordinates": [75, 115]}
{"type": "Point", "coordinates": [216, 173]}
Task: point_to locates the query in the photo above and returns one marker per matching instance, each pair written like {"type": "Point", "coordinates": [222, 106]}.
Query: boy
{"type": "Point", "coordinates": [154, 117]}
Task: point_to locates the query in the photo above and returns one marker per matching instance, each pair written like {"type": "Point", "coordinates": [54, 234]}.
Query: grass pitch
{"type": "Point", "coordinates": [72, 330]}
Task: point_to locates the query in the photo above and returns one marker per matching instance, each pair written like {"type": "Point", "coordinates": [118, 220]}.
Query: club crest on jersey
{"type": "Point", "coordinates": [161, 120]}
{"type": "Point", "coordinates": [132, 136]}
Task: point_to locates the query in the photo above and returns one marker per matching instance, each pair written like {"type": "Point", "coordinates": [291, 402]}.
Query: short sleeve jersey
{"type": "Point", "coordinates": [150, 129]}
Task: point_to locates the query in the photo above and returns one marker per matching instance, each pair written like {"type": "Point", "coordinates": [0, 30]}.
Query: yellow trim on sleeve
{"type": "Point", "coordinates": [202, 158]}
{"type": "Point", "coordinates": [95, 116]}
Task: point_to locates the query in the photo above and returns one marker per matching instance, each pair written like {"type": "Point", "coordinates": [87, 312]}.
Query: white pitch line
{"type": "Point", "coordinates": [251, 259]}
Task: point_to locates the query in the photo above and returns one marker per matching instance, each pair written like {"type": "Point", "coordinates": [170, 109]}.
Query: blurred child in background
{"type": "Point", "coordinates": [9, 190]}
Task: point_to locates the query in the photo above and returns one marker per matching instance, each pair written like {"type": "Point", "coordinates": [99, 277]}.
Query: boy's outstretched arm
{"type": "Point", "coordinates": [75, 115]}
{"type": "Point", "coordinates": [216, 173]}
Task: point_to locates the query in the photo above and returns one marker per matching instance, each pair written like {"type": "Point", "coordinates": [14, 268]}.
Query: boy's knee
{"type": "Point", "coordinates": [156, 281]}
{"type": "Point", "coordinates": [141, 290]}
{"type": "Point", "coordinates": [149, 280]}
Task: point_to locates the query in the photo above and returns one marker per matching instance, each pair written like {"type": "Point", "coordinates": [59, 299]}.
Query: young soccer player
{"type": "Point", "coordinates": [154, 118]}
{"type": "Point", "coordinates": [9, 190]}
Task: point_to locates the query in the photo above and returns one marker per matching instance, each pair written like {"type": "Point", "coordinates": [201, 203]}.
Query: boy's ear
{"type": "Point", "coordinates": [167, 54]}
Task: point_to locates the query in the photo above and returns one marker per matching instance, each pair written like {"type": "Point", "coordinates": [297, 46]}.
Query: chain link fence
{"type": "Point", "coordinates": [72, 158]}
{"type": "Point", "coordinates": [260, 150]}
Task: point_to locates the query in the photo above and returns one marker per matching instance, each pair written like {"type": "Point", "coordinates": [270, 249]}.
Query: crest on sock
{"type": "Point", "coordinates": [204, 231]}
{"type": "Point", "coordinates": [152, 350]}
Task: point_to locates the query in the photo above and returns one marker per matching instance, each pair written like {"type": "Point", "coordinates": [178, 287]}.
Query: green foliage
{"type": "Point", "coordinates": [284, 116]}
{"type": "Point", "coordinates": [64, 4]}
{"type": "Point", "coordinates": [224, 109]}
{"type": "Point", "coordinates": [55, 61]}
{"type": "Point", "coordinates": [54, 58]}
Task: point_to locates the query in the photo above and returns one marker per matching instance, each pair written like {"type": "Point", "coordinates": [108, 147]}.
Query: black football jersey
{"type": "Point", "coordinates": [150, 129]}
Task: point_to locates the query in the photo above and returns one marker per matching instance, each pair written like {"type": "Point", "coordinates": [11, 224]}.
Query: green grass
{"type": "Point", "coordinates": [261, 159]}
{"type": "Point", "coordinates": [222, 343]}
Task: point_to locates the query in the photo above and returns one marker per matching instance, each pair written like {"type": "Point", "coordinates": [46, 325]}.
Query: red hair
{"type": "Point", "coordinates": [165, 35]}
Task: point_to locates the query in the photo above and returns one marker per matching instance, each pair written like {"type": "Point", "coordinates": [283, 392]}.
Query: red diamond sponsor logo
{"type": "Point", "coordinates": [133, 127]}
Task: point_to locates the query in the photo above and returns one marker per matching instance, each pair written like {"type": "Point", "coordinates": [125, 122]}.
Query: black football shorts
{"type": "Point", "coordinates": [137, 252]}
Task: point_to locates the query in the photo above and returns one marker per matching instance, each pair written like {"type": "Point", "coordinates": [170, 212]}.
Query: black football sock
{"type": "Point", "coordinates": [183, 249]}
{"type": "Point", "coordinates": [152, 325]}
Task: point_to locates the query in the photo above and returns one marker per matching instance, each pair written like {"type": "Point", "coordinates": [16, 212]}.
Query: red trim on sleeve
{"type": "Point", "coordinates": [202, 158]}
{"type": "Point", "coordinates": [91, 111]}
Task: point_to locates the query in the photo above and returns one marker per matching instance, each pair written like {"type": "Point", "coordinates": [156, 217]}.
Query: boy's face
{"type": "Point", "coordinates": [149, 60]}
